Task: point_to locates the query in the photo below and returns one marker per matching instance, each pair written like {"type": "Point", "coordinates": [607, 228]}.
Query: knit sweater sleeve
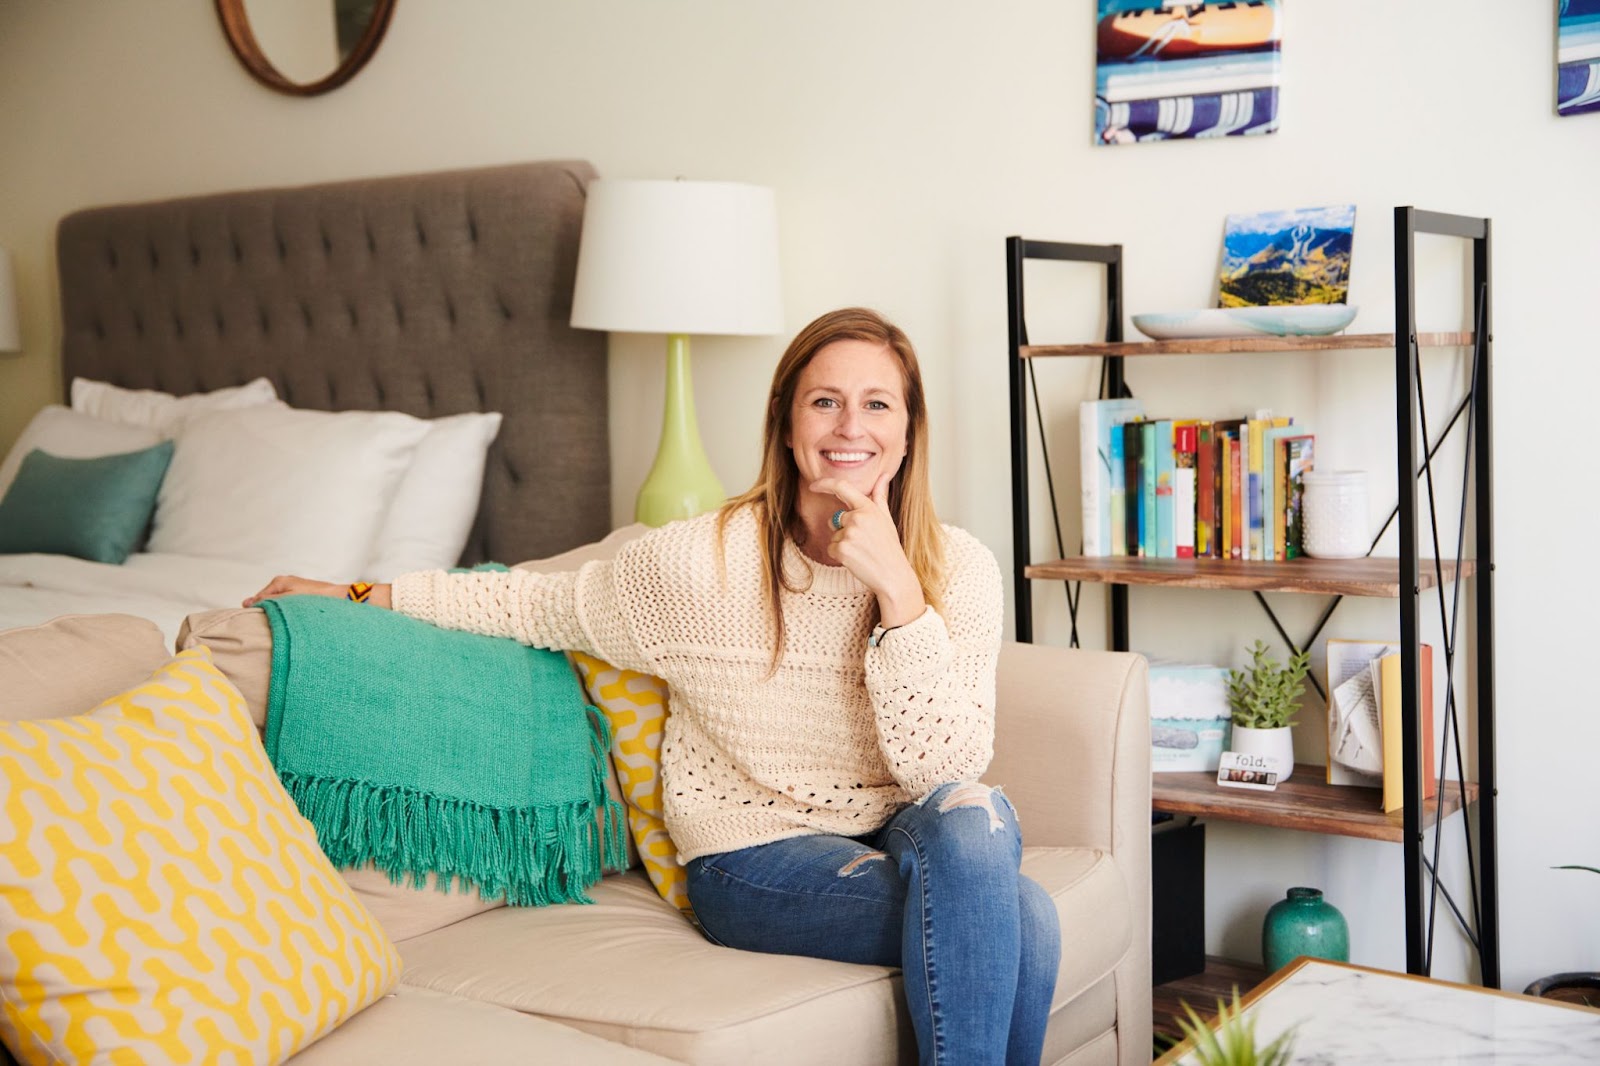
{"type": "Point", "coordinates": [578, 610]}
{"type": "Point", "coordinates": [932, 681]}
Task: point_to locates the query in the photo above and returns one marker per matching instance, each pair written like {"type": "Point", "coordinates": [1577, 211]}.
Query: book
{"type": "Point", "coordinates": [1133, 484]}
{"type": "Point", "coordinates": [1389, 704]}
{"type": "Point", "coordinates": [1297, 460]}
{"type": "Point", "coordinates": [1166, 524]}
{"type": "Point", "coordinates": [1119, 495]}
{"type": "Point", "coordinates": [1205, 514]}
{"type": "Point", "coordinates": [1272, 492]}
{"type": "Point", "coordinates": [1364, 719]}
{"type": "Point", "coordinates": [1355, 720]}
{"type": "Point", "coordinates": [1236, 446]}
{"type": "Point", "coordinates": [1190, 724]}
{"type": "Point", "coordinates": [1096, 420]}
{"type": "Point", "coordinates": [1147, 489]}
{"type": "Point", "coordinates": [1183, 489]}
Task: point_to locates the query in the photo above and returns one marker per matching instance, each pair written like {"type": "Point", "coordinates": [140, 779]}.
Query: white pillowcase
{"type": "Point", "coordinates": [70, 435]}
{"type": "Point", "coordinates": [162, 411]}
{"type": "Point", "coordinates": [301, 492]}
{"type": "Point", "coordinates": [437, 501]}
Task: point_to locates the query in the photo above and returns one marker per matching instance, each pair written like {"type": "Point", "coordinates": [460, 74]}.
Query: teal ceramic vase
{"type": "Point", "coordinates": [1303, 924]}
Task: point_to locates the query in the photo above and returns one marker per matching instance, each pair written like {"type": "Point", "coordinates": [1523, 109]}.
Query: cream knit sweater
{"type": "Point", "coordinates": [836, 741]}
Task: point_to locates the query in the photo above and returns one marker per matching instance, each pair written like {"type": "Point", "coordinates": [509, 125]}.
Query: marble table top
{"type": "Point", "coordinates": [1351, 1014]}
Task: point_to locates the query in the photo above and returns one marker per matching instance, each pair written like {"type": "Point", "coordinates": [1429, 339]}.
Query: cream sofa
{"type": "Point", "coordinates": [629, 980]}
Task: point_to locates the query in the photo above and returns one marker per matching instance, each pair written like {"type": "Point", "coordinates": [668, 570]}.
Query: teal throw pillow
{"type": "Point", "coordinates": [95, 509]}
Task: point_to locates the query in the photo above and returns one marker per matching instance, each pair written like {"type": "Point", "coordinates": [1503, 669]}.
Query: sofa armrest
{"type": "Point", "coordinates": [1072, 745]}
{"type": "Point", "coordinates": [1072, 751]}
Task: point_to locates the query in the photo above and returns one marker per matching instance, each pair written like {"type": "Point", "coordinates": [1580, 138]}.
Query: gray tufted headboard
{"type": "Point", "coordinates": [432, 294]}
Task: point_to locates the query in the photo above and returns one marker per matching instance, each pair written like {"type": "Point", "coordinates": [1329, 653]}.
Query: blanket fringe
{"type": "Point", "coordinates": [529, 856]}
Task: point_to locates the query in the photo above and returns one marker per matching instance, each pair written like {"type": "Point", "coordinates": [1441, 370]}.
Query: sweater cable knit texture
{"type": "Point", "coordinates": [836, 741]}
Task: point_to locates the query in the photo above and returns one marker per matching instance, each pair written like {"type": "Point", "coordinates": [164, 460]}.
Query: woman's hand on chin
{"type": "Point", "coordinates": [868, 545]}
{"type": "Point", "coordinates": [289, 585]}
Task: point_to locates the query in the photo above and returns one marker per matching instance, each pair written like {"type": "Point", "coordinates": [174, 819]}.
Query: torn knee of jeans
{"type": "Point", "coordinates": [854, 866]}
{"type": "Point", "coordinates": [973, 794]}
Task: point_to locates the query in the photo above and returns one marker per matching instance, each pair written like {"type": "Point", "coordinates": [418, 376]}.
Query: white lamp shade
{"type": "Point", "coordinates": [678, 257]}
{"type": "Point", "coordinates": [10, 328]}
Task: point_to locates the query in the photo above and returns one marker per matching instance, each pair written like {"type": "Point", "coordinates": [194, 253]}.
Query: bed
{"type": "Point", "coordinates": [440, 297]}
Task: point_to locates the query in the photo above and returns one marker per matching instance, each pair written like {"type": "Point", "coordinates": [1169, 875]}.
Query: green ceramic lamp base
{"type": "Point", "coordinates": [681, 483]}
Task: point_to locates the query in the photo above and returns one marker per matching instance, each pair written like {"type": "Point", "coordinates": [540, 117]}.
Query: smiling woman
{"type": "Point", "coordinates": [304, 47]}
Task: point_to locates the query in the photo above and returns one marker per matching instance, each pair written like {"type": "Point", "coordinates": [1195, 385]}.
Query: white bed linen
{"type": "Point", "coordinates": [163, 588]}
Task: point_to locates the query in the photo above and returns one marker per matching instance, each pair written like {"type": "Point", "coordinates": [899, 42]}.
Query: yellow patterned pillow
{"type": "Point", "coordinates": [635, 705]}
{"type": "Point", "coordinates": [161, 899]}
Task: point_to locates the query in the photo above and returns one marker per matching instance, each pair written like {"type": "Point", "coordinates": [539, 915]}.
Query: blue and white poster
{"type": "Point", "coordinates": [1168, 70]}
{"type": "Point", "coordinates": [1577, 57]}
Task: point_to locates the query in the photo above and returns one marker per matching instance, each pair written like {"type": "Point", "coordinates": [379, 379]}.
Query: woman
{"type": "Point", "coordinates": [831, 652]}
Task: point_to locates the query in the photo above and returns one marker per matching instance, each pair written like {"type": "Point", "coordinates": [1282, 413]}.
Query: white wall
{"type": "Point", "coordinates": [905, 141]}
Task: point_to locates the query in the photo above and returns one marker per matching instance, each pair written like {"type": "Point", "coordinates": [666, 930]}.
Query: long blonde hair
{"type": "Point", "coordinates": [772, 497]}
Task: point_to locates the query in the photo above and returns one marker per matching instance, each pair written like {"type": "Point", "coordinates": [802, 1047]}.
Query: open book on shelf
{"type": "Point", "coordinates": [1364, 718]}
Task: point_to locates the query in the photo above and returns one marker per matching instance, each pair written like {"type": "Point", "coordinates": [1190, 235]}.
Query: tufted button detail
{"type": "Point", "coordinates": [422, 234]}
{"type": "Point", "coordinates": [111, 257]}
{"type": "Point", "coordinates": [399, 313]}
{"type": "Point", "coordinates": [194, 254]}
{"type": "Point", "coordinates": [305, 314]}
{"type": "Point", "coordinates": [472, 228]}
{"type": "Point", "coordinates": [450, 311]}
{"type": "Point", "coordinates": [505, 312]}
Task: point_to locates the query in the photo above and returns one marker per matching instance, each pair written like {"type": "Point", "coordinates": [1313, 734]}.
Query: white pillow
{"type": "Point", "coordinates": [162, 411]}
{"type": "Point", "coordinates": [70, 435]}
{"type": "Point", "coordinates": [433, 510]}
{"type": "Point", "coordinates": [300, 492]}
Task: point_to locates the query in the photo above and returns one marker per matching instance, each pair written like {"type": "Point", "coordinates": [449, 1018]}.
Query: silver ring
{"type": "Point", "coordinates": [837, 521]}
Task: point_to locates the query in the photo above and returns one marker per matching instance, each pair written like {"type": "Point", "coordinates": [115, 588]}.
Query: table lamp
{"type": "Point", "coordinates": [678, 257]}
{"type": "Point", "coordinates": [10, 326]}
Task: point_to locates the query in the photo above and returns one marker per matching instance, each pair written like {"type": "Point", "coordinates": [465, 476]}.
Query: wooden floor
{"type": "Point", "coordinates": [1201, 992]}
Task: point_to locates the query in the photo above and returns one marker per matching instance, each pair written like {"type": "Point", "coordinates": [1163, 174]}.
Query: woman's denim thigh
{"type": "Point", "coordinates": [826, 897]}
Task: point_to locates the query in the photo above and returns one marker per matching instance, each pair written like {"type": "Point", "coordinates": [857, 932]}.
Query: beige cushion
{"type": "Point", "coordinates": [710, 1005]}
{"type": "Point", "coordinates": [67, 665]}
{"type": "Point", "coordinates": [415, 1027]}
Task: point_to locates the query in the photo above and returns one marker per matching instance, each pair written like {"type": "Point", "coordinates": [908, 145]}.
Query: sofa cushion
{"type": "Point", "coordinates": [69, 664]}
{"type": "Point", "coordinates": [416, 1027]}
{"type": "Point", "coordinates": [229, 932]}
{"type": "Point", "coordinates": [710, 1005]}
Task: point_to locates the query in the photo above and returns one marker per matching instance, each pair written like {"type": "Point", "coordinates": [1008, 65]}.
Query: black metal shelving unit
{"type": "Point", "coordinates": [1420, 578]}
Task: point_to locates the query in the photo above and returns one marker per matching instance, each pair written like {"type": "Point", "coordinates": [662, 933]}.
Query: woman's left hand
{"type": "Point", "coordinates": [868, 545]}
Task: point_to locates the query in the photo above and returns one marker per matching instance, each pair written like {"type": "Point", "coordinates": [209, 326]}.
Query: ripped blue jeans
{"type": "Point", "coordinates": [935, 891]}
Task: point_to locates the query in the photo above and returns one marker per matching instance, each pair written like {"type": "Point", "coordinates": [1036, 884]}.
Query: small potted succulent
{"type": "Point", "coordinates": [1262, 702]}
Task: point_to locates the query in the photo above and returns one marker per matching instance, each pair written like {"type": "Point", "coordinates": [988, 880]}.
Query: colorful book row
{"type": "Point", "coordinates": [1191, 488]}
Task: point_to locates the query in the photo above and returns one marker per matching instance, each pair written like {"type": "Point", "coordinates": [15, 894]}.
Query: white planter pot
{"type": "Point", "coordinates": [1278, 743]}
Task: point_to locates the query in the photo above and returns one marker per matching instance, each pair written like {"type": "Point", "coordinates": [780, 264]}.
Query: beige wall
{"type": "Point", "coordinates": [905, 140]}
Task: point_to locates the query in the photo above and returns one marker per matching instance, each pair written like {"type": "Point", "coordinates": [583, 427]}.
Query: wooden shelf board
{"type": "Point", "coordinates": [1304, 802]}
{"type": "Point", "coordinates": [1201, 991]}
{"type": "Point", "coordinates": [1225, 345]}
{"type": "Point", "coordinates": [1341, 577]}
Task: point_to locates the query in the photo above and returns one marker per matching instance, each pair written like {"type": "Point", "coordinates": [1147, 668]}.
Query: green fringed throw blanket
{"type": "Point", "coordinates": [420, 749]}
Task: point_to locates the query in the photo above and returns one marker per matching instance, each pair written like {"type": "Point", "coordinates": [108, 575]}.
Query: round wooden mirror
{"type": "Point", "coordinates": [304, 47]}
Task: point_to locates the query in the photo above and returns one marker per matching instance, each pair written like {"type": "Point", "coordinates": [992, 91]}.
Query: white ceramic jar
{"type": "Point", "coordinates": [1334, 510]}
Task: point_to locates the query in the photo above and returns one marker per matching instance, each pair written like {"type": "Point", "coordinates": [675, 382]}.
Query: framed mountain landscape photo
{"type": "Point", "coordinates": [1301, 256]}
{"type": "Point", "coordinates": [1179, 70]}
